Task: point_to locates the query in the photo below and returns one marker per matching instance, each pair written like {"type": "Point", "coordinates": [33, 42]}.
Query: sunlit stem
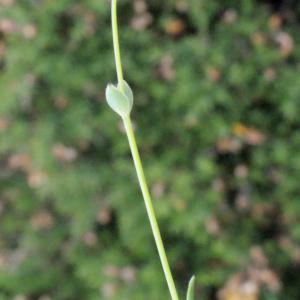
{"type": "Point", "coordinates": [149, 207]}
{"type": "Point", "coordinates": [116, 43]}
{"type": "Point", "coordinates": [138, 164]}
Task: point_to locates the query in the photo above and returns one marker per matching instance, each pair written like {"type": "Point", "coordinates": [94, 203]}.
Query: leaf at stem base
{"type": "Point", "coordinates": [191, 289]}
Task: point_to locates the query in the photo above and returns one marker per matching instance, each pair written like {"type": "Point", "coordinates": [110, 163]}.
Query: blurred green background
{"type": "Point", "coordinates": [216, 114]}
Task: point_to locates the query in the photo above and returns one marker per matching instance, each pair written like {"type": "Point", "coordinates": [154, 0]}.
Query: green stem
{"type": "Point", "coordinates": [138, 163]}
{"type": "Point", "coordinates": [116, 43]}
{"type": "Point", "coordinates": [149, 207]}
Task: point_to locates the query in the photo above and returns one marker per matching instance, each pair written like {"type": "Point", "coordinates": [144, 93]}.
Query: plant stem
{"type": "Point", "coordinates": [137, 161]}
{"type": "Point", "coordinates": [149, 207]}
{"type": "Point", "coordinates": [116, 43]}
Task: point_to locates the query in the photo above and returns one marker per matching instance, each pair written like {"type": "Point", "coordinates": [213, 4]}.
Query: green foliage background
{"type": "Point", "coordinates": [217, 103]}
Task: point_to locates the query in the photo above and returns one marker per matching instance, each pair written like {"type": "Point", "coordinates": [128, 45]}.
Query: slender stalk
{"type": "Point", "coordinates": [138, 164]}
{"type": "Point", "coordinates": [149, 208]}
{"type": "Point", "coordinates": [116, 43]}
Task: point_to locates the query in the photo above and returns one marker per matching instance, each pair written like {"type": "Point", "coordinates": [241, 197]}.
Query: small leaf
{"type": "Point", "coordinates": [128, 93]}
{"type": "Point", "coordinates": [118, 101]}
{"type": "Point", "coordinates": [191, 289]}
